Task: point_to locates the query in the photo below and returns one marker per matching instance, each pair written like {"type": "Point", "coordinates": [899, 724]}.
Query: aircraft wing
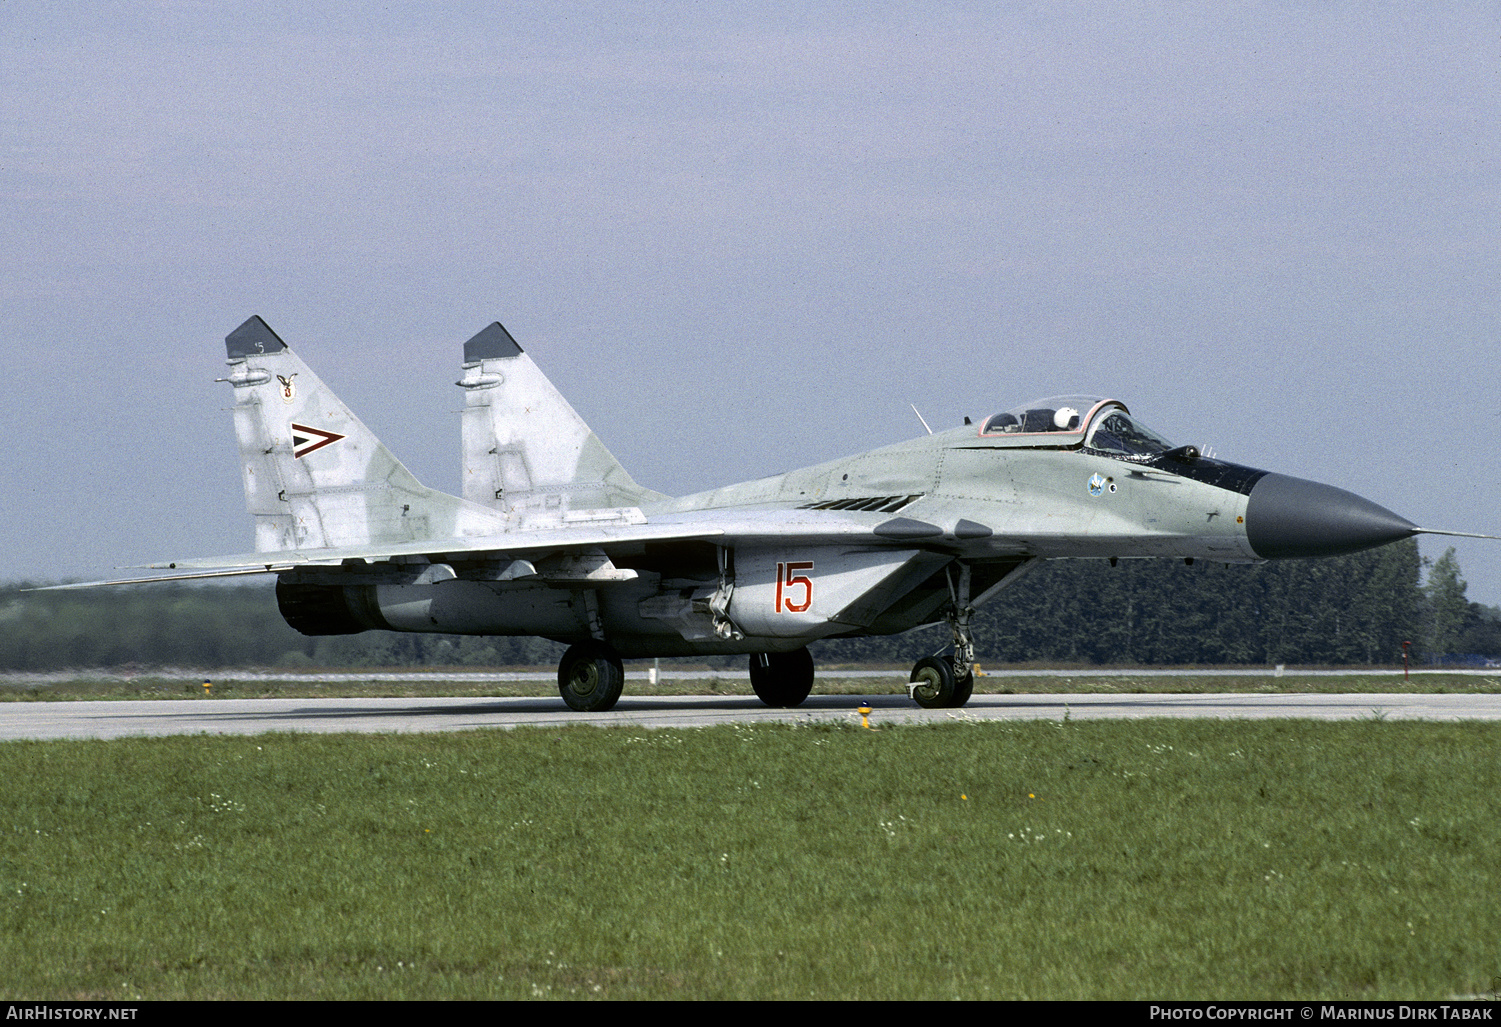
{"type": "Point", "coordinates": [510, 544]}
{"type": "Point", "coordinates": [733, 526]}
{"type": "Point", "coordinates": [738, 526]}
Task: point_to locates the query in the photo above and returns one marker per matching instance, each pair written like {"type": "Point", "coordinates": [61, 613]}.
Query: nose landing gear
{"type": "Point", "coordinates": [934, 685]}
{"type": "Point", "coordinates": [948, 682]}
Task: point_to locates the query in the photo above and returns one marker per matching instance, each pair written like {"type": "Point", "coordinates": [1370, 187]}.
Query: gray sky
{"type": "Point", "coordinates": [743, 237]}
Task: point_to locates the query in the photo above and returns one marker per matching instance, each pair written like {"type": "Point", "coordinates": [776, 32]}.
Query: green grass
{"type": "Point", "coordinates": [1185, 859]}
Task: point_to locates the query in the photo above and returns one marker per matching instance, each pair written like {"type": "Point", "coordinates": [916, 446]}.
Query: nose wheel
{"type": "Point", "coordinates": [934, 685]}
{"type": "Point", "coordinates": [942, 682]}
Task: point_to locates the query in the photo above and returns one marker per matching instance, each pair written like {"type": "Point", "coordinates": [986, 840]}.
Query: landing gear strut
{"type": "Point", "coordinates": [782, 679]}
{"type": "Point", "coordinates": [941, 682]}
{"type": "Point", "coordinates": [590, 677]}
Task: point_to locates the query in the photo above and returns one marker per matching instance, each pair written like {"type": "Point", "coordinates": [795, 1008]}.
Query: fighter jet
{"type": "Point", "coordinates": [552, 537]}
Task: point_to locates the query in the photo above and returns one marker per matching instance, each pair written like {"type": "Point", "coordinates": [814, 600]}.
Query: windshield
{"type": "Point", "coordinates": [1117, 433]}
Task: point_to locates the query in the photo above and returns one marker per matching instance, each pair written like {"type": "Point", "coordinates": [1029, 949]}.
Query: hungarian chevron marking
{"type": "Point", "coordinates": [307, 440]}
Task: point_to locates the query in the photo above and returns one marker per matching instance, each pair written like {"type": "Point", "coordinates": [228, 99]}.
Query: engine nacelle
{"type": "Point", "coordinates": [451, 606]}
{"type": "Point", "coordinates": [327, 609]}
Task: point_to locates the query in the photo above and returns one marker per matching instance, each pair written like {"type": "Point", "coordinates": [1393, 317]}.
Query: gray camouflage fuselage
{"type": "Point", "coordinates": [553, 537]}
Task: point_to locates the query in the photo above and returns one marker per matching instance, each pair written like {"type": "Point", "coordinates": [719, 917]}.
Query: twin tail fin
{"type": "Point", "coordinates": [315, 477]}
{"type": "Point", "coordinates": [528, 453]}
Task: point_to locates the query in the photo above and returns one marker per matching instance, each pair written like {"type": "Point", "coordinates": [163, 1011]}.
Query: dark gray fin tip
{"type": "Point", "coordinates": [252, 338]}
{"type": "Point", "coordinates": [492, 343]}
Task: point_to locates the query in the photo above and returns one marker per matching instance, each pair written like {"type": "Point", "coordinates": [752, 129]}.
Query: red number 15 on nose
{"type": "Point", "coordinates": [790, 583]}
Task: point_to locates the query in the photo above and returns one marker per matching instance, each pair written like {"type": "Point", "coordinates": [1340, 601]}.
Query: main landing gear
{"type": "Point", "coordinates": [590, 676]}
{"type": "Point", "coordinates": [782, 680]}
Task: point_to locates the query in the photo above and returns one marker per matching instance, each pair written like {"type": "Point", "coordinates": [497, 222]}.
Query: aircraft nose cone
{"type": "Point", "coordinates": [1287, 516]}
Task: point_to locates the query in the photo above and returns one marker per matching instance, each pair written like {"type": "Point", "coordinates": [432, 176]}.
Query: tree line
{"type": "Point", "coordinates": [1346, 611]}
{"type": "Point", "coordinates": [1354, 610]}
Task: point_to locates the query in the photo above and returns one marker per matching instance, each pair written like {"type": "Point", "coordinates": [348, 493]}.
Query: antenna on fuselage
{"type": "Point", "coordinates": [920, 417]}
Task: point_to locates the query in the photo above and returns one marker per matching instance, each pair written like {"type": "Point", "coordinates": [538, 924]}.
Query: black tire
{"type": "Point", "coordinates": [963, 688]}
{"type": "Point", "coordinates": [933, 683]}
{"type": "Point", "coordinates": [590, 677]}
{"type": "Point", "coordinates": [782, 680]}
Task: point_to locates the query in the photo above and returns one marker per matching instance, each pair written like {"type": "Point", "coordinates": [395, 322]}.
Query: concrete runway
{"type": "Point", "coordinates": [126, 718]}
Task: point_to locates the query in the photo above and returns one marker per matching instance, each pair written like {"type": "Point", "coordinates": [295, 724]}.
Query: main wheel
{"type": "Point", "coordinates": [932, 683]}
{"type": "Point", "coordinates": [782, 680]}
{"type": "Point", "coordinates": [590, 677]}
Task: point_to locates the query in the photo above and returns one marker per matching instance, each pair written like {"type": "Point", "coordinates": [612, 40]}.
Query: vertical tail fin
{"type": "Point", "coordinates": [527, 452]}
{"type": "Point", "coordinates": [315, 476]}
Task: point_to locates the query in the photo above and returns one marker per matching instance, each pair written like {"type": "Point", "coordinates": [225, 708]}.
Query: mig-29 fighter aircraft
{"type": "Point", "coordinates": [553, 538]}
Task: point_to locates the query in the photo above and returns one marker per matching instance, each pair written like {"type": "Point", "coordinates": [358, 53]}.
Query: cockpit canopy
{"type": "Point", "coordinates": [1102, 425]}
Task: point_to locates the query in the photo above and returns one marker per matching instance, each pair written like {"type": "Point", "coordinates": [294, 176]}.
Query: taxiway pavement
{"type": "Point", "coordinates": [215, 716]}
